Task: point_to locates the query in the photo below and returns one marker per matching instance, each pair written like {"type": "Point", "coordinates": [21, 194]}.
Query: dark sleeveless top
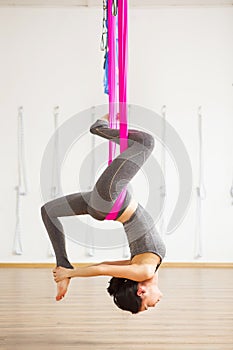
{"type": "Point", "coordinates": [142, 235]}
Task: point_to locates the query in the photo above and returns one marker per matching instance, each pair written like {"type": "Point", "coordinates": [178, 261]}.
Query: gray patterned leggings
{"type": "Point", "coordinates": [98, 202]}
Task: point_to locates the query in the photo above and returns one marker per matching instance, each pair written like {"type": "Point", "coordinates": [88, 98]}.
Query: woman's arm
{"type": "Point", "coordinates": [134, 272]}
{"type": "Point", "coordinates": [117, 262]}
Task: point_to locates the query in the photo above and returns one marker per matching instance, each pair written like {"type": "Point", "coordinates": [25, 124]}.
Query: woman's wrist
{"type": "Point", "coordinates": [70, 273]}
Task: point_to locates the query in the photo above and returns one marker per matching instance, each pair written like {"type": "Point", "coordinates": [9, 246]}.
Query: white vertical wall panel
{"type": "Point", "coordinates": [178, 57]}
{"type": "Point", "coordinates": [133, 3]}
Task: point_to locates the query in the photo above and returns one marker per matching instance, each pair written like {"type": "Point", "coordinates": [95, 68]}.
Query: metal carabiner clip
{"type": "Point", "coordinates": [104, 38]}
{"type": "Point", "coordinates": [103, 43]}
{"type": "Point", "coordinates": [114, 7]}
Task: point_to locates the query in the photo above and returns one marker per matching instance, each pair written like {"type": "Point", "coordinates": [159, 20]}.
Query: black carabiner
{"type": "Point", "coordinates": [103, 43]}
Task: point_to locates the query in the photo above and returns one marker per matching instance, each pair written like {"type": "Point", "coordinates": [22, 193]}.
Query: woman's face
{"type": "Point", "coordinates": [149, 293]}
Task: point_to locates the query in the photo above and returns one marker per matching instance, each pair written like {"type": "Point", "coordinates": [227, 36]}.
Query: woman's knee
{"type": "Point", "coordinates": [95, 214]}
{"type": "Point", "coordinates": [44, 213]}
{"type": "Point", "coordinates": [143, 138]}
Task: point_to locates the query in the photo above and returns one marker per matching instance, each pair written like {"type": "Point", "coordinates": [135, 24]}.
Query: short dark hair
{"type": "Point", "coordinates": [124, 292]}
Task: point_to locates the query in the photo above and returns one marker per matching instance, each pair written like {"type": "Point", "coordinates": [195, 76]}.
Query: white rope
{"type": "Point", "coordinates": [21, 188]}
{"type": "Point", "coordinates": [55, 178]}
{"type": "Point", "coordinates": [55, 187]}
{"type": "Point", "coordinates": [89, 233]}
{"type": "Point", "coordinates": [200, 191]}
{"type": "Point", "coordinates": [163, 194]}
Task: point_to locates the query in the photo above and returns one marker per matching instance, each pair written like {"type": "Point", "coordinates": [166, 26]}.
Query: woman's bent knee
{"type": "Point", "coordinates": [43, 212]}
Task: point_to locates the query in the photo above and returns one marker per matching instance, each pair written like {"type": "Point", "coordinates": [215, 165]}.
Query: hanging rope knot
{"type": "Point", "coordinates": [22, 191]}
{"type": "Point", "coordinates": [231, 193]}
{"type": "Point", "coordinates": [163, 192]}
{"type": "Point", "coordinates": [201, 192]}
{"type": "Point", "coordinates": [163, 110]}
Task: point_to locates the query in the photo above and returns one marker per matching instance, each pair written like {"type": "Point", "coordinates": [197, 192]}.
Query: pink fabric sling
{"type": "Point", "coordinates": [118, 99]}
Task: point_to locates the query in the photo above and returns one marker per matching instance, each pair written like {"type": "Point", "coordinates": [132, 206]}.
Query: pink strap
{"type": "Point", "coordinates": [112, 73]}
{"type": "Point", "coordinates": [123, 65]}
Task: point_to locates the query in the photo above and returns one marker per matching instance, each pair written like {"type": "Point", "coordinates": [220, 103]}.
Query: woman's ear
{"type": "Point", "coordinates": [141, 290]}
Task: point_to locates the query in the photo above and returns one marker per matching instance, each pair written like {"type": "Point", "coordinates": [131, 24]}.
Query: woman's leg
{"type": "Point", "coordinates": [73, 204]}
{"type": "Point", "coordinates": [123, 168]}
{"type": "Point", "coordinates": [99, 202]}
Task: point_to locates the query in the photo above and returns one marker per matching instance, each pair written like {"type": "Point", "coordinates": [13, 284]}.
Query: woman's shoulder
{"type": "Point", "coordinates": [150, 260]}
{"type": "Point", "coordinates": [147, 257]}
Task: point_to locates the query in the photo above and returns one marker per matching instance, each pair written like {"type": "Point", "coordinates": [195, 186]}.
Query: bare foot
{"type": "Point", "coordinates": [61, 273]}
{"type": "Point", "coordinates": [61, 277]}
{"type": "Point", "coordinates": [62, 287]}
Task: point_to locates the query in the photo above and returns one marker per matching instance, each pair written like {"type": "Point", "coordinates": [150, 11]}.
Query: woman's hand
{"type": "Point", "coordinates": [61, 273]}
{"type": "Point", "coordinates": [134, 272]}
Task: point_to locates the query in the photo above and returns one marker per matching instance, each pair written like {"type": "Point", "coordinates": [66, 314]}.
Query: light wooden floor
{"type": "Point", "coordinates": [196, 313]}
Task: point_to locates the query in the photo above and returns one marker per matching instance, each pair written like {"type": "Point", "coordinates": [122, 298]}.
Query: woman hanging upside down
{"type": "Point", "coordinates": [134, 282]}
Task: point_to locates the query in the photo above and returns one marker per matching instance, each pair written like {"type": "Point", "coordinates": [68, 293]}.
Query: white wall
{"type": "Point", "coordinates": [178, 57]}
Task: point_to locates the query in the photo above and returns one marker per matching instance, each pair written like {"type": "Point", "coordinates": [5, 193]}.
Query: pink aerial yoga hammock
{"type": "Point", "coordinates": [118, 99]}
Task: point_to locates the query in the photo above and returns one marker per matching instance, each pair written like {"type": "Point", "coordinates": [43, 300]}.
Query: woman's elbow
{"type": "Point", "coordinates": [144, 272]}
{"type": "Point", "coordinates": [148, 272]}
